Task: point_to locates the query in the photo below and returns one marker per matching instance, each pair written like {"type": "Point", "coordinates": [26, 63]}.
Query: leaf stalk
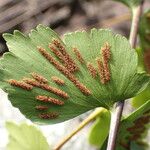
{"type": "Point", "coordinates": [91, 117]}
{"type": "Point", "coordinates": [114, 125]}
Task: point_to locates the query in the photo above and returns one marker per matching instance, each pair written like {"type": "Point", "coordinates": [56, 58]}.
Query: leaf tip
{"type": "Point", "coordinates": [7, 36]}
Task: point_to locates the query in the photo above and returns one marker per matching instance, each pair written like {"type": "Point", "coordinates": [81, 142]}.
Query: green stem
{"type": "Point", "coordinates": [91, 117]}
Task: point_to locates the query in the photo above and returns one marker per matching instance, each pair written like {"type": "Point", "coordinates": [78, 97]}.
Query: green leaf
{"type": "Point", "coordinates": [123, 62]}
{"type": "Point", "coordinates": [83, 90]}
{"type": "Point", "coordinates": [130, 3]}
{"type": "Point", "coordinates": [134, 128]}
{"type": "Point", "coordinates": [134, 146]}
{"type": "Point", "coordinates": [25, 137]}
{"type": "Point", "coordinates": [141, 98]}
{"type": "Point", "coordinates": [141, 65]}
{"type": "Point", "coordinates": [100, 128]}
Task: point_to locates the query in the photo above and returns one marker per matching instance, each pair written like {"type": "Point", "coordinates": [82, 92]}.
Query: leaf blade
{"type": "Point", "coordinates": [24, 59]}
{"type": "Point", "coordinates": [25, 137]}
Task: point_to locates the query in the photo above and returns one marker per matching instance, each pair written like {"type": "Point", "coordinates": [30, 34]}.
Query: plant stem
{"type": "Point", "coordinates": [135, 24]}
{"type": "Point", "coordinates": [117, 112]}
{"type": "Point", "coordinates": [91, 117]}
{"type": "Point", "coordinates": [114, 125]}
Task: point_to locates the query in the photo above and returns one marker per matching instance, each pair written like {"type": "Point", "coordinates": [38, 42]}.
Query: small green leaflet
{"type": "Point", "coordinates": [130, 3]}
{"type": "Point", "coordinates": [141, 65]}
{"type": "Point", "coordinates": [100, 128]}
{"type": "Point", "coordinates": [141, 98]}
{"type": "Point", "coordinates": [47, 101]}
{"type": "Point", "coordinates": [25, 137]}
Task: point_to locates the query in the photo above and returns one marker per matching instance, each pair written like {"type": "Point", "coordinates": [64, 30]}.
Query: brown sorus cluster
{"type": "Point", "coordinates": [63, 70]}
{"type": "Point", "coordinates": [78, 55]}
{"type": "Point", "coordinates": [41, 107]}
{"type": "Point", "coordinates": [106, 57]}
{"type": "Point", "coordinates": [92, 70]}
{"type": "Point", "coordinates": [39, 78]}
{"type": "Point", "coordinates": [101, 71]}
{"type": "Point", "coordinates": [143, 120]}
{"type": "Point", "coordinates": [20, 84]}
{"type": "Point", "coordinates": [125, 145]}
{"type": "Point", "coordinates": [69, 62]}
{"type": "Point", "coordinates": [55, 63]}
{"type": "Point", "coordinates": [57, 52]}
{"type": "Point", "coordinates": [133, 130]}
{"type": "Point", "coordinates": [31, 82]}
{"type": "Point", "coordinates": [139, 127]}
{"type": "Point", "coordinates": [46, 87]}
{"type": "Point", "coordinates": [103, 64]}
{"type": "Point", "coordinates": [106, 51]}
{"type": "Point", "coordinates": [82, 87]}
{"type": "Point", "coordinates": [106, 71]}
{"type": "Point", "coordinates": [51, 115]}
{"type": "Point", "coordinates": [58, 80]}
{"type": "Point", "coordinates": [49, 99]}
{"type": "Point", "coordinates": [77, 83]}
{"type": "Point", "coordinates": [54, 90]}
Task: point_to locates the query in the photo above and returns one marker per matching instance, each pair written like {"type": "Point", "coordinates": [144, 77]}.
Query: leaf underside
{"type": "Point", "coordinates": [85, 92]}
{"type": "Point", "coordinates": [25, 137]}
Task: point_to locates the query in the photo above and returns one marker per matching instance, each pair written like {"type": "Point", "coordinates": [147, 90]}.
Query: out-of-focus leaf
{"type": "Point", "coordinates": [144, 32]}
{"type": "Point", "coordinates": [135, 146]}
{"type": "Point", "coordinates": [100, 128]}
{"type": "Point", "coordinates": [130, 3]}
{"type": "Point", "coordinates": [141, 98]}
{"type": "Point", "coordinates": [133, 128]}
{"type": "Point", "coordinates": [25, 137]}
{"type": "Point", "coordinates": [81, 91]}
